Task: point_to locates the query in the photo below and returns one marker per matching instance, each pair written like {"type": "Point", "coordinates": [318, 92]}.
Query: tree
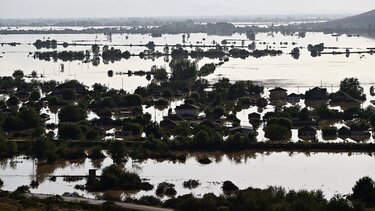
{"type": "Point", "coordinates": [352, 87]}
{"type": "Point", "coordinates": [295, 53]}
{"type": "Point", "coordinates": [159, 73]}
{"type": "Point", "coordinates": [69, 131]}
{"type": "Point", "coordinates": [207, 69]}
{"type": "Point", "coordinates": [229, 186]}
{"type": "Point", "coordinates": [364, 190]}
{"type": "Point", "coordinates": [95, 49]}
{"type": "Point", "coordinates": [7, 149]}
{"type": "Point", "coordinates": [45, 148]}
{"type": "Point", "coordinates": [13, 123]}
{"type": "Point", "coordinates": [117, 151]}
{"type": "Point", "coordinates": [72, 113]}
{"type": "Point", "coordinates": [30, 118]}
{"type": "Point", "coordinates": [34, 95]}
{"type": "Point", "coordinates": [13, 101]}
{"type": "Point", "coordinates": [218, 111]}
{"type": "Point", "coordinates": [18, 74]}
{"type": "Point", "coordinates": [277, 132]}
{"type": "Point", "coordinates": [68, 94]}
{"type": "Point", "coordinates": [183, 69]}
{"type": "Point", "coordinates": [202, 138]}
{"type": "Point", "coordinates": [114, 177]}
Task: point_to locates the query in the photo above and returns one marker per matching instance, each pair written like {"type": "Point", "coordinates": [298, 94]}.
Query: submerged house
{"type": "Point", "coordinates": [168, 124]}
{"type": "Point", "coordinates": [293, 98]}
{"type": "Point", "coordinates": [242, 129]}
{"type": "Point", "coordinates": [187, 110]}
{"type": "Point", "coordinates": [307, 132]}
{"type": "Point", "coordinates": [278, 93]}
{"type": "Point", "coordinates": [210, 124]}
{"type": "Point", "coordinates": [316, 93]}
{"type": "Point", "coordinates": [344, 131]}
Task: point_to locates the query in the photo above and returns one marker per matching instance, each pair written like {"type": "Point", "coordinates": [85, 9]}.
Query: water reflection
{"type": "Point", "coordinates": [331, 172]}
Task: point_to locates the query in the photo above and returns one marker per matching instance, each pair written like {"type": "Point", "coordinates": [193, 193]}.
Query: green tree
{"type": "Point", "coordinates": [69, 131]}
{"type": "Point", "coordinates": [117, 151]}
{"type": "Point", "coordinates": [30, 118]}
{"type": "Point", "coordinates": [202, 138]}
{"type": "Point", "coordinates": [13, 101]}
{"type": "Point", "coordinates": [183, 69]}
{"type": "Point", "coordinates": [352, 87]}
{"type": "Point", "coordinates": [45, 149]}
{"type": "Point", "coordinates": [18, 74]}
{"type": "Point", "coordinates": [72, 113]}
{"type": "Point", "coordinates": [68, 94]}
{"type": "Point", "coordinates": [159, 73]}
{"type": "Point", "coordinates": [218, 111]}
{"type": "Point", "coordinates": [364, 190]}
{"type": "Point", "coordinates": [34, 95]}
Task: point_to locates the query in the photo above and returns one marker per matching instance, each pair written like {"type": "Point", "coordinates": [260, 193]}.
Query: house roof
{"type": "Point", "coordinates": [187, 106]}
{"type": "Point", "coordinates": [293, 95]}
{"type": "Point", "coordinates": [307, 128]}
{"type": "Point", "coordinates": [241, 128]}
{"type": "Point", "coordinates": [278, 89]}
{"type": "Point", "coordinates": [318, 89]}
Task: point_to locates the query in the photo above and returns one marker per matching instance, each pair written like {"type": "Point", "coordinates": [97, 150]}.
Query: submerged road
{"type": "Point", "coordinates": [100, 202]}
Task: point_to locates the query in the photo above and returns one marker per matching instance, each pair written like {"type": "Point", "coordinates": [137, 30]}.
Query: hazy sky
{"type": "Point", "coordinates": [136, 8]}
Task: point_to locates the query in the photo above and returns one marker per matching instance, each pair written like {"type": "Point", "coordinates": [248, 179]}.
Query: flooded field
{"type": "Point", "coordinates": [332, 173]}
{"type": "Point", "coordinates": [296, 75]}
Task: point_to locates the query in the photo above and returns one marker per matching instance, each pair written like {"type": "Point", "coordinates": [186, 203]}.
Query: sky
{"type": "Point", "coordinates": [165, 8]}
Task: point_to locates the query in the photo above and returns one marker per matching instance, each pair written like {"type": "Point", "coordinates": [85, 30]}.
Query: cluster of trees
{"type": "Point", "coordinates": [61, 55]}
{"type": "Point", "coordinates": [350, 90]}
{"type": "Point", "coordinates": [315, 50]}
{"type": "Point", "coordinates": [112, 54]}
{"type": "Point", "coordinates": [116, 178]}
{"type": "Point", "coordinates": [39, 44]}
{"type": "Point", "coordinates": [271, 199]}
{"type": "Point", "coordinates": [278, 129]}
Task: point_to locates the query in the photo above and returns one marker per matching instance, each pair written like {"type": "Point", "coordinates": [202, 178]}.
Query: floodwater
{"type": "Point", "coordinates": [333, 173]}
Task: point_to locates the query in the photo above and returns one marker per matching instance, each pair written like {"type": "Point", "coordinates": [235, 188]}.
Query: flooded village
{"type": "Point", "coordinates": [188, 114]}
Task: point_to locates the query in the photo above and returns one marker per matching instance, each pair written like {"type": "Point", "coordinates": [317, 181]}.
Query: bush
{"type": "Point", "coordinates": [191, 184]}
{"type": "Point", "coordinates": [22, 189]}
{"type": "Point", "coordinates": [165, 188]}
{"type": "Point", "coordinates": [229, 186]}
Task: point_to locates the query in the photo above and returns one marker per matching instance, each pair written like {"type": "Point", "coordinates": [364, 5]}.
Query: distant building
{"type": "Point", "coordinates": [307, 132]}
{"type": "Point", "coordinates": [359, 133]}
{"type": "Point", "coordinates": [316, 93]}
{"type": "Point", "coordinates": [168, 124]}
{"type": "Point", "coordinates": [210, 124]}
{"type": "Point", "coordinates": [278, 93]}
{"type": "Point", "coordinates": [242, 129]}
{"type": "Point", "coordinates": [344, 131]}
{"type": "Point", "coordinates": [187, 110]}
{"type": "Point", "coordinates": [293, 98]}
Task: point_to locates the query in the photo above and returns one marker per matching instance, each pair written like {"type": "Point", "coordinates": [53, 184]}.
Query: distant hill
{"type": "Point", "coordinates": [363, 20]}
